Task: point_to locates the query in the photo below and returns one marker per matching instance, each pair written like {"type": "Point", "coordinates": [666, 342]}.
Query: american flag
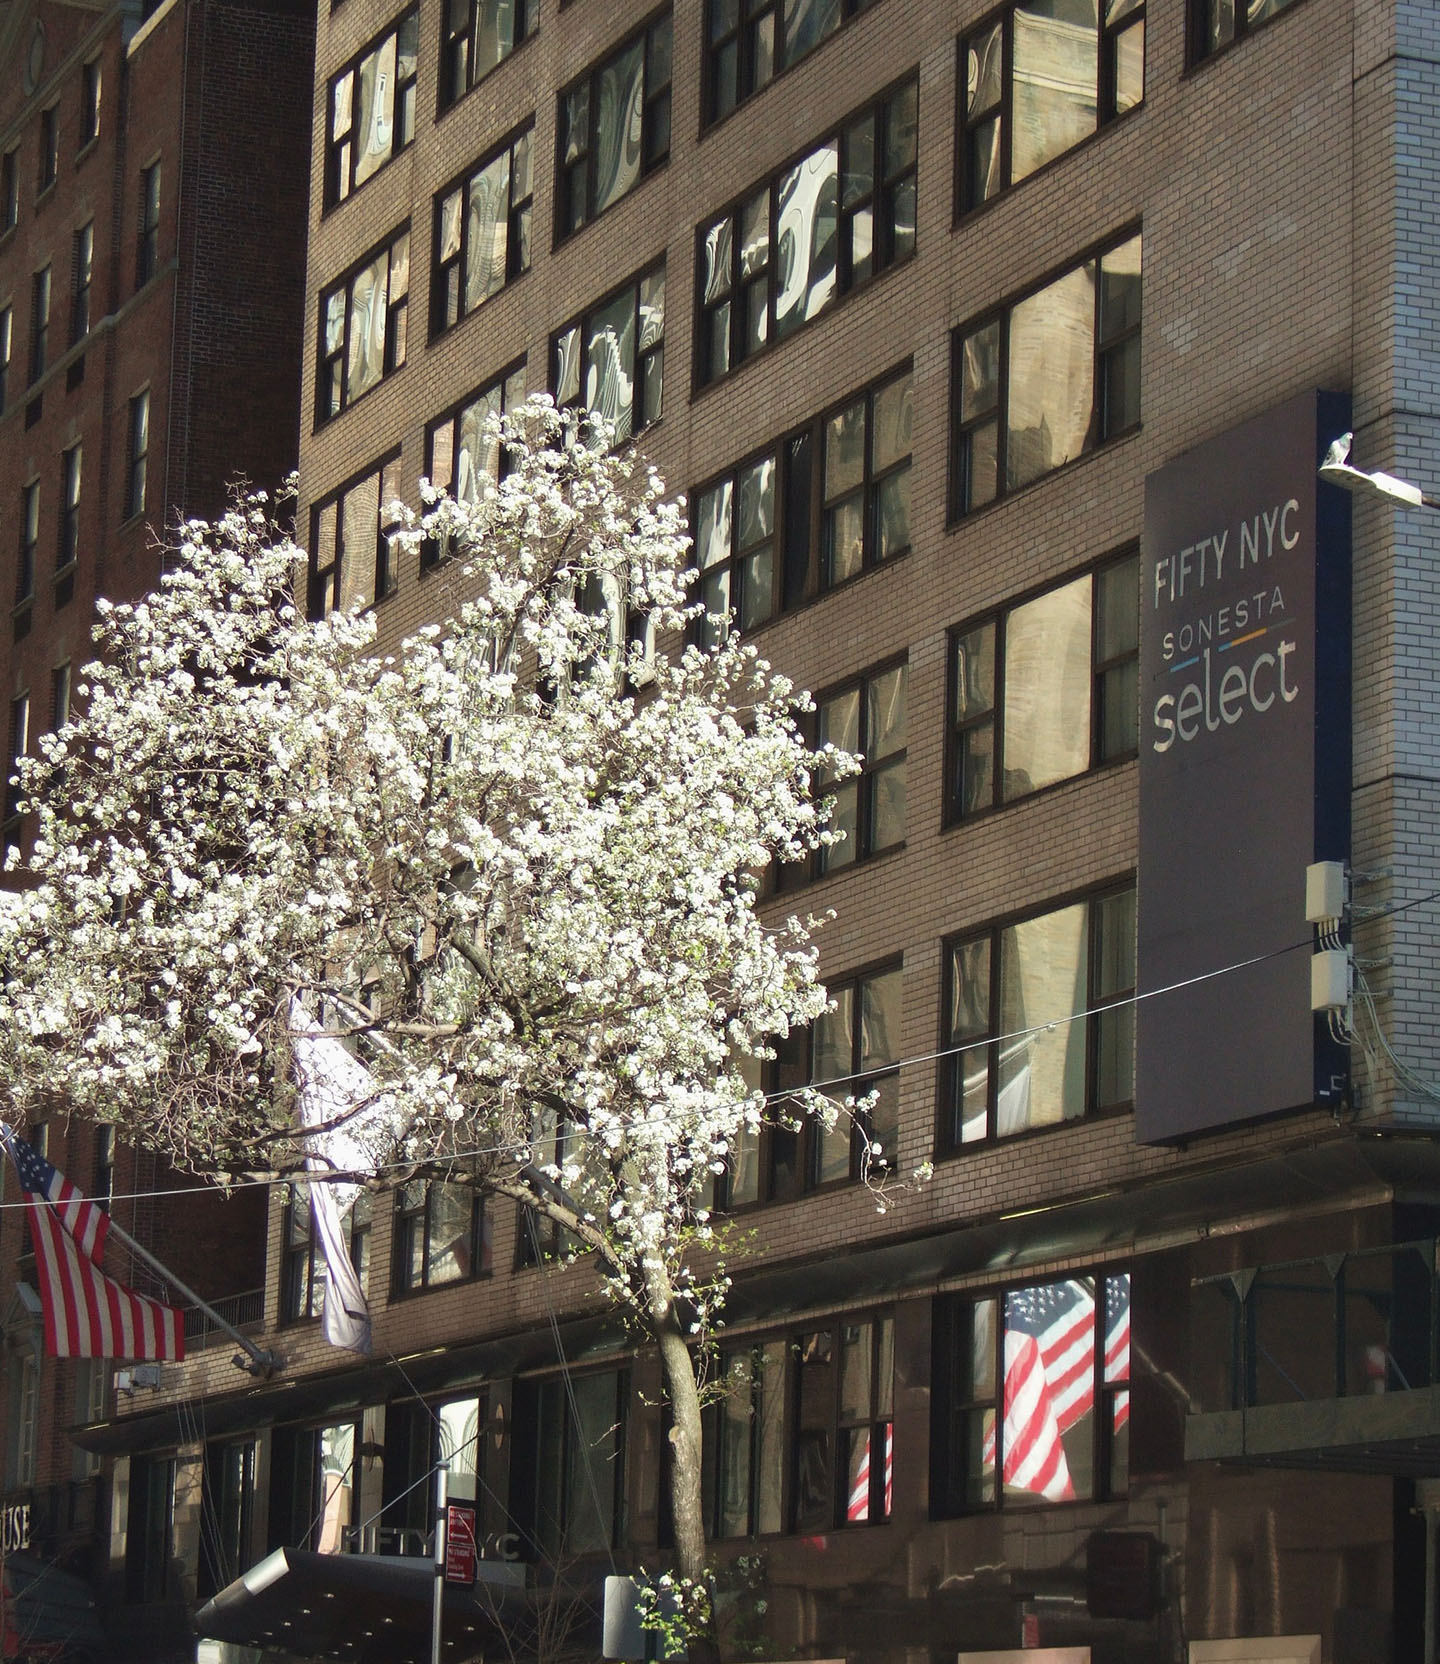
{"type": "Point", "coordinates": [87, 1314]}
{"type": "Point", "coordinates": [1050, 1377]}
{"type": "Point", "coordinates": [857, 1504]}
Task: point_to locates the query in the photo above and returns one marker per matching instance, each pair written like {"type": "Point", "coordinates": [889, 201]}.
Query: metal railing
{"type": "Point", "coordinates": [238, 1310]}
{"type": "Point", "coordinates": [1330, 1326]}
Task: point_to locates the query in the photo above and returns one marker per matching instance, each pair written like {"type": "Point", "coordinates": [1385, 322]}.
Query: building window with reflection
{"type": "Point", "coordinates": [866, 718]}
{"type": "Point", "coordinates": [441, 1236]}
{"type": "Point", "coordinates": [226, 1546]}
{"type": "Point", "coordinates": [1045, 690]}
{"type": "Point", "coordinates": [800, 1435]}
{"type": "Point", "coordinates": [611, 361]}
{"type": "Point", "coordinates": [476, 37]}
{"type": "Point", "coordinates": [371, 109]}
{"type": "Point", "coordinates": [1040, 1020]}
{"type": "Point", "coordinates": [147, 233]}
{"type": "Point", "coordinates": [303, 1275]}
{"type": "Point", "coordinates": [749, 42]}
{"type": "Point", "coordinates": [821, 227]}
{"type": "Point", "coordinates": [1031, 1396]}
{"type": "Point", "coordinates": [1216, 24]}
{"type": "Point", "coordinates": [1036, 80]}
{"type": "Point", "coordinates": [354, 556]}
{"type": "Point", "coordinates": [482, 233]}
{"type": "Point", "coordinates": [613, 127]}
{"type": "Point", "coordinates": [313, 1487]}
{"type": "Point", "coordinates": [1040, 382]}
{"type": "Point", "coordinates": [762, 548]}
{"type": "Point", "coordinates": [363, 327]}
{"type": "Point", "coordinates": [569, 1499]}
{"type": "Point", "coordinates": [852, 1051]}
{"type": "Point", "coordinates": [462, 456]}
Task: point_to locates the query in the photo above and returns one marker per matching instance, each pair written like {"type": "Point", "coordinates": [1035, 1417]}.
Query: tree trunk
{"type": "Point", "coordinates": [686, 1496]}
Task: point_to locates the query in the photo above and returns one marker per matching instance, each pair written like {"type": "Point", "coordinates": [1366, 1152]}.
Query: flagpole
{"type": "Point", "coordinates": [261, 1362]}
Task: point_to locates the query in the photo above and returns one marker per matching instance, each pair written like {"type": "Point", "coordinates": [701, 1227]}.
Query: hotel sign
{"type": "Point", "coordinates": [1244, 769]}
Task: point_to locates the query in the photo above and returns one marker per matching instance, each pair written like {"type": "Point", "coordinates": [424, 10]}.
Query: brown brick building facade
{"type": "Point", "coordinates": [151, 220]}
{"type": "Point", "coordinates": [911, 319]}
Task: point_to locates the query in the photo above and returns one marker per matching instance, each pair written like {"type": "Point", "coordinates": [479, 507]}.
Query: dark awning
{"type": "Point", "coordinates": [1394, 1432]}
{"type": "Point", "coordinates": [367, 1608]}
{"type": "Point", "coordinates": [1347, 1170]}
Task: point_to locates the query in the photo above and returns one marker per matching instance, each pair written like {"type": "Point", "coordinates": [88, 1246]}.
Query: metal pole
{"type": "Point", "coordinates": [1429, 1654]}
{"type": "Point", "coordinates": [442, 1491]}
{"type": "Point", "coordinates": [264, 1361]}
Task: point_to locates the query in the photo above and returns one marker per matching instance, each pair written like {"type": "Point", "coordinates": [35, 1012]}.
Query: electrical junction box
{"type": "Point", "coordinates": [1324, 892]}
{"type": "Point", "coordinates": [1330, 980]}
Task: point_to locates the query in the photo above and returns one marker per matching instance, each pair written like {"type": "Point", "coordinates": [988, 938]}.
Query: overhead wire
{"type": "Point", "coordinates": [939, 1054]}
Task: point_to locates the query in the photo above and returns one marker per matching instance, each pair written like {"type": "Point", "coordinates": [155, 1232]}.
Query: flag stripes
{"type": "Point", "coordinates": [87, 1314]}
{"type": "Point", "coordinates": [1049, 1378]}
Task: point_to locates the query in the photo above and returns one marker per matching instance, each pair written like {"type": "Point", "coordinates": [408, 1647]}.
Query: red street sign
{"type": "Point", "coordinates": [460, 1555]}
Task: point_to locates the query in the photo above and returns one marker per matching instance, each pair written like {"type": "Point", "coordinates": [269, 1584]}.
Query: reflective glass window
{"type": "Point", "coordinates": [823, 226]}
{"type": "Point", "coordinates": [1047, 379]}
{"type": "Point", "coordinates": [611, 360]}
{"type": "Point", "coordinates": [476, 37]}
{"type": "Point", "coordinates": [363, 327]}
{"type": "Point", "coordinates": [1036, 80]}
{"type": "Point", "coordinates": [371, 109]}
{"type": "Point", "coordinates": [749, 42]}
{"type": "Point", "coordinates": [482, 233]}
{"type": "Point", "coordinates": [1040, 1026]}
{"type": "Point", "coordinates": [353, 553]}
{"type": "Point", "coordinates": [1032, 1400]}
{"type": "Point", "coordinates": [613, 127]}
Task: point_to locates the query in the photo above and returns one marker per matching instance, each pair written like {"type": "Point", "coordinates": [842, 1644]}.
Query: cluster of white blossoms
{"type": "Point", "coordinates": [514, 864]}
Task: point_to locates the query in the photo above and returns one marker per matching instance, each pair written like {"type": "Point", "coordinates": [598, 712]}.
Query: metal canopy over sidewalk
{"type": "Point", "coordinates": [367, 1608]}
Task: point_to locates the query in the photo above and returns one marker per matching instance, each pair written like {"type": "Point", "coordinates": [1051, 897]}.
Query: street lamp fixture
{"type": "Point", "coordinates": [1338, 470]}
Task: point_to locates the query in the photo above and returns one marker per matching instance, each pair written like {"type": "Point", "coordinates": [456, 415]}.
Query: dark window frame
{"type": "Point", "coordinates": [29, 542]}
{"type": "Point", "coordinates": [394, 351]}
{"type": "Point", "coordinates": [960, 1404]}
{"type": "Point", "coordinates": [449, 305]}
{"type": "Point", "coordinates": [745, 33]}
{"type": "Point", "coordinates": [546, 1409]}
{"type": "Point", "coordinates": [835, 1443]}
{"type": "Point", "coordinates": [49, 150]}
{"type": "Point", "coordinates": [91, 83]}
{"type": "Point", "coordinates": [788, 1160]}
{"type": "Point", "coordinates": [42, 305]}
{"type": "Point", "coordinates": [1106, 1011]}
{"type": "Point", "coordinates": [459, 31]}
{"type": "Point", "coordinates": [147, 225]}
{"type": "Point", "coordinates": [800, 572]}
{"type": "Point", "coordinates": [82, 273]}
{"type": "Point", "coordinates": [1200, 47]}
{"type": "Point", "coordinates": [342, 153]}
{"type": "Point", "coordinates": [576, 177]}
{"type": "Point", "coordinates": [1110, 348]}
{"type": "Point", "coordinates": [330, 586]}
{"type": "Point", "coordinates": [7, 350]}
{"type": "Point", "coordinates": [740, 322]}
{"type": "Point", "coordinates": [19, 746]}
{"type": "Point", "coordinates": [968, 198]}
{"type": "Point", "coordinates": [137, 452]}
{"type": "Point", "coordinates": [992, 717]}
{"type": "Point", "coordinates": [67, 552]}
{"type": "Point", "coordinates": [9, 190]}
{"type": "Point", "coordinates": [413, 1211]}
{"type": "Point", "coordinates": [645, 356]}
{"type": "Point", "coordinates": [510, 380]}
{"type": "Point", "coordinates": [861, 788]}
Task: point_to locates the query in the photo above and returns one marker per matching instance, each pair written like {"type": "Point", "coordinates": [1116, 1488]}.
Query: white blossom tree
{"type": "Point", "coordinates": [513, 866]}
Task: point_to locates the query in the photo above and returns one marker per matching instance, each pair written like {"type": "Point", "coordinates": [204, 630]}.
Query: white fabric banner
{"type": "Point", "coordinates": [335, 1087]}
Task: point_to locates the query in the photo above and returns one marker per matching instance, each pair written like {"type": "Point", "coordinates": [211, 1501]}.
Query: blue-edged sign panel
{"type": "Point", "coordinates": [1244, 769]}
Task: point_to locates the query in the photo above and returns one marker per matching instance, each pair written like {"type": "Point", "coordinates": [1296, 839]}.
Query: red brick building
{"type": "Point", "coordinates": [153, 185]}
{"type": "Point", "coordinates": [945, 317]}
